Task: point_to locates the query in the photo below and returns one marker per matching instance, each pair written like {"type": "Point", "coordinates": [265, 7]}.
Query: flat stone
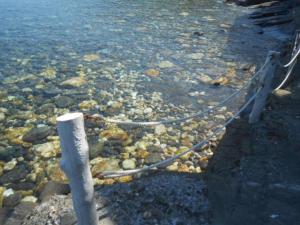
{"type": "Point", "coordinates": [165, 64]}
{"type": "Point", "coordinates": [37, 134]}
{"type": "Point", "coordinates": [280, 93]}
{"type": "Point", "coordinates": [29, 199]}
{"type": "Point", "coordinates": [73, 82]}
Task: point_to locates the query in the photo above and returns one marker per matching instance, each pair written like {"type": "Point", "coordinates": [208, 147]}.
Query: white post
{"type": "Point", "coordinates": [265, 81]}
{"type": "Point", "coordinates": [75, 163]}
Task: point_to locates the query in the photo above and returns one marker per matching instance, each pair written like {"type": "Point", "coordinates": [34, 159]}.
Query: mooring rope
{"type": "Point", "coordinates": [295, 54]}
{"type": "Point", "coordinates": [122, 173]}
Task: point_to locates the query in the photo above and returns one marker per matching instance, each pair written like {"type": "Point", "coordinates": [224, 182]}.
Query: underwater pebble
{"type": "Point", "coordinates": [10, 165]}
{"type": "Point", "coordinates": [160, 129]}
{"type": "Point", "coordinates": [129, 164]}
{"type": "Point", "coordinates": [2, 116]}
{"type": "Point", "coordinates": [165, 64]}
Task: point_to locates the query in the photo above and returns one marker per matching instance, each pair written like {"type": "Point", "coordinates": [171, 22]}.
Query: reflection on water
{"type": "Point", "coordinates": [133, 59]}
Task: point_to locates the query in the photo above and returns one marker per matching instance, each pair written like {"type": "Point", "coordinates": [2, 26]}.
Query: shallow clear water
{"type": "Point", "coordinates": [132, 60]}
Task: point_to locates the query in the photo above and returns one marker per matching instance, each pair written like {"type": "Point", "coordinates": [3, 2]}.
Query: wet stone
{"type": "Point", "coordinates": [47, 108]}
{"type": "Point", "coordinates": [22, 186]}
{"type": "Point", "coordinates": [52, 188]}
{"type": "Point", "coordinates": [2, 116]}
{"type": "Point", "coordinates": [8, 153]}
{"type": "Point", "coordinates": [12, 200]}
{"type": "Point", "coordinates": [105, 165]}
{"type": "Point", "coordinates": [51, 91]}
{"type": "Point", "coordinates": [96, 149]}
{"type": "Point", "coordinates": [15, 175]}
{"type": "Point", "coordinates": [29, 199]}
{"type": "Point", "coordinates": [37, 134]}
{"type": "Point", "coordinates": [73, 82]}
{"type": "Point", "coordinates": [153, 158]}
{"type": "Point", "coordinates": [64, 102]}
{"type": "Point", "coordinates": [129, 164]}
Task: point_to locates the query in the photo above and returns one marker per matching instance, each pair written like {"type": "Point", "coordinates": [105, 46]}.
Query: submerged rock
{"type": "Point", "coordinates": [195, 56]}
{"type": "Point", "coordinates": [160, 129]}
{"type": "Point", "coordinates": [10, 165]}
{"type": "Point", "coordinates": [153, 158]}
{"type": "Point", "coordinates": [52, 188]}
{"type": "Point", "coordinates": [17, 174]}
{"type": "Point", "coordinates": [37, 134]}
{"type": "Point", "coordinates": [29, 199]}
{"type": "Point", "coordinates": [47, 150]}
{"type": "Point", "coordinates": [152, 73]}
{"type": "Point", "coordinates": [49, 73]}
{"type": "Point", "coordinates": [104, 164]}
{"type": "Point", "coordinates": [95, 150]}
{"type": "Point", "coordinates": [73, 82]}
{"type": "Point", "coordinates": [165, 64]}
{"type": "Point", "coordinates": [12, 200]}
{"type": "Point", "coordinates": [115, 134]}
{"type": "Point", "coordinates": [64, 102]}
{"type": "Point", "coordinates": [47, 108]}
{"type": "Point", "coordinates": [91, 57]}
{"type": "Point", "coordinates": [55, 173]}
{"type": "Point", "coordinates": [129, 164]}
{"type": "Point", "coordinates": [2, 116]}
{"type": "Point", "coordinates": [88, 104]}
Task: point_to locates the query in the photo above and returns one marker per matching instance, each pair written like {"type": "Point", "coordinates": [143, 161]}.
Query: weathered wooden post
{"type": "Point", "coordinates": [75, 164]}
{"type": "Point", "coordinates": [265, 80]}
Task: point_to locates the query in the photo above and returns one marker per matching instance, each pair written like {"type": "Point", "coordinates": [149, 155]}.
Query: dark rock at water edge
{"type": "Point", "coordinates": [15, 216]}
{"type": "Point", "coordinates": [12, 200]}
{"type": "Point", "coordinates": [53, 188]}
{"type": "Point", "coordinates": [25, 186]}
{"type": "Point", "coordinates": [164, 198]}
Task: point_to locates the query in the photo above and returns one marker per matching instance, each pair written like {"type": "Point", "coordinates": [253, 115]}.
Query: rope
{"type": "Point", "coordinates": [115, 174]}
{"type": "Point", "coordinates": [199, 113]}
{"type": "Point", "coordinates": [293, 60]}
{"type": "Point", "coordinates": [295, 53]}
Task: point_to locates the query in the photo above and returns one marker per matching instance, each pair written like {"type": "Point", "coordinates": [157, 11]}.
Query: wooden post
{"type": "Point", "coordinates": [265, 81]}
{"type": "Point", "coordinates": [75, 163]}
